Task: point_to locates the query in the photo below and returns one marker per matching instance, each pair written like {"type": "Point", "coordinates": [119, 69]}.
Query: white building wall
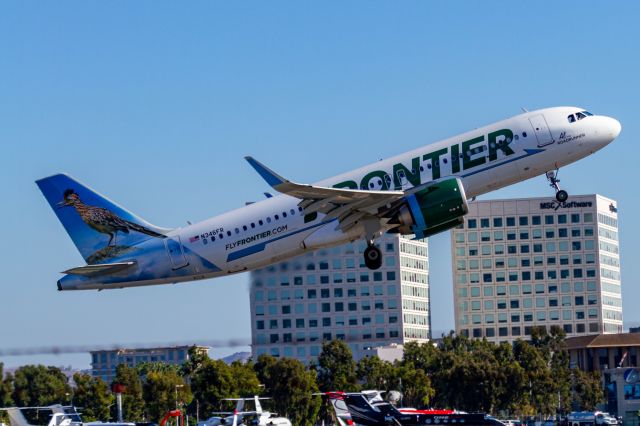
{"type": "Point", "coordinates": [531, 262]}
{"type": "Point", "coordinates": [330, 294]}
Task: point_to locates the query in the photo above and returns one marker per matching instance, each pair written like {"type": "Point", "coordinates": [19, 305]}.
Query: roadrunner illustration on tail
{"type": "Point", "coordinates": [418, 193]}
{"type": "Point", "coordinates": [103, 220]}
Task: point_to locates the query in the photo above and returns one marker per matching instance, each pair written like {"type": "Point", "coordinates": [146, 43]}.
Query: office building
{"type": "Point", "coordinates": [329, 294]}
{"type": "Point", "coordinates": [519, 263]}
{"type": "Point", "coordinates": [104, 362]}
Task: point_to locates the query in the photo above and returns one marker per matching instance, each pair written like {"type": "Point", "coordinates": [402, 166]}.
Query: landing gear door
{"type": "Point", "coordinates": [541, 130]}
{"type": "Point", "coordinates": [175, 252]}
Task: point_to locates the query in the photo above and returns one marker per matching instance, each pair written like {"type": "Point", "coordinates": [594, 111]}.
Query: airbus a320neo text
{"type": "Point", "coordinates": [420, 193]}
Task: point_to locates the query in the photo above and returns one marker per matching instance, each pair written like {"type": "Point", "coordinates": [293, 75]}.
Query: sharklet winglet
{"type": "Point", "coordinates": [271, 177]}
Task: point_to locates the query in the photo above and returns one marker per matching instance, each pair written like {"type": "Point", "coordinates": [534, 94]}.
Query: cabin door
{"type": "Point", "coordinates": [541, 130]}
{"type": "Point", "coordinates": [175, 251]}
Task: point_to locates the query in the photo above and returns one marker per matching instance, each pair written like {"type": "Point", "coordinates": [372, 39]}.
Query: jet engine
{"type": "Point", "coordinates": [435, 208]}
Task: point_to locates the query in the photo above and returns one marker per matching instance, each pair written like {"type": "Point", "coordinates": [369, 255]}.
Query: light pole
{"type": "Point", "coordinates": [176, 391]}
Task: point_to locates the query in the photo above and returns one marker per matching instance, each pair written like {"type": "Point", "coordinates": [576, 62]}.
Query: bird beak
{"type": "Point", "coordinates": [60, 205]}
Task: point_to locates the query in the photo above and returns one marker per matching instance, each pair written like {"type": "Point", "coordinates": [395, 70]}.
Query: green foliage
{"type": "Point", "coordinates": [415, 385]}
{"type": "Point", "coordinates": [588, 390]}
{"type": "Point", "coordinates": [144, 368]}
{"type": "Point", "coordinates": [337, 370]}
{"type": "Point", "coordinates": [133, 404]}
{"type": "Point", "coordinates": [291, 386]}
{"type": "Point", "coordinates": [210, 382]}
{"type": "Point", "coordinates": [163, 390]}
{"type": "Point", "coordinates": [246, 381]}
{"type": "Point", "coordinates": [375, 373]}
{"type": "Point", "coordinates": [92, 394]}
{"type": "Point", "coordinates": [525, 378]}
{"type": "Point", "coordinates": [196, 359]}
{"type": "Point", "coordinates": [37, 385]}
{"type": "Point", "coordinates": [6, 389]}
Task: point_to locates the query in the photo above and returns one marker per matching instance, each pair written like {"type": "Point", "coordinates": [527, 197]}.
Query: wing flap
{"type": "Point", "coordinates": [100, 269]}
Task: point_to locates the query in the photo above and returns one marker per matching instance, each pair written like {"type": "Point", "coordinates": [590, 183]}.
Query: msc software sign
{"type": "Point", "coordinates": [566, 205]}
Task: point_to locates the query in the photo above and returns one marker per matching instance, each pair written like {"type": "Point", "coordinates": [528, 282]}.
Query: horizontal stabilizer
{"type": "Point", "coordinates": [100, 269]}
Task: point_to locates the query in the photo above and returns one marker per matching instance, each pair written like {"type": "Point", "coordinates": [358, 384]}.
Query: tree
{"type": "Point", "coordinates": [291, 386]}
{"type": "Point", "coordinates": [263, 368]}
{"type": "Point", "coordinates": [588, 390]}
{"type": "Point", "coordinates": [375, 373]}
{"type": "Point", "coordinates": [541, 383]}
{"type": "Point", "coordinates": [196, 359]}
{"type": "Point", "coordinates": [211, 382]}
{"type": "Point", "coordinates": [37, 385]}
{"type": "Point", "coordinates": [420, 355]}
{"type": "Point", "coordinates": [133, 405]}
{"type": "Point", "coordinates": [415, 386]}
{"type": "Point", "coordinates": [337, 370]}
{"type": "Point", "coordinates": [162, 391]}
{"type": "Point", "coordinates": [246, 381]}
{"type": "Point", "coordinates": [92, 394]}
{"type": "Point", "coordinates": [6, 387]}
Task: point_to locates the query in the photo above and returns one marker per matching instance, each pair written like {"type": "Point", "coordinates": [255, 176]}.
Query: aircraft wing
{"type": "Point", "coordinates": [99, 269]}
{"type": "Point", "coordinates": [346, 205]}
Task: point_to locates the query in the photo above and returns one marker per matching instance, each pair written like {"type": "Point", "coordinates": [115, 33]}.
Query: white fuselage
{"type": "Point", "coordinates": [275, 229]}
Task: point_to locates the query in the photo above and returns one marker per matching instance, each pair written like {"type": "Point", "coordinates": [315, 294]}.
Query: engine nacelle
{"type": "Point", "coordinates": [435, 208]}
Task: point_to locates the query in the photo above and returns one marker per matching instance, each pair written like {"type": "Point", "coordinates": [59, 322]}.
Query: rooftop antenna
{"type": "Point", "coordinates": [524, 109]}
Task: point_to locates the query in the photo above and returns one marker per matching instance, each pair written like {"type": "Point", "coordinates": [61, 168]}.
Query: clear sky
{"type": "Point", "coordinates": [154, 104]}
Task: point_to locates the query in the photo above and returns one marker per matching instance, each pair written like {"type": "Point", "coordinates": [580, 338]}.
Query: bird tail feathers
{"type": "Point", "coordinates": [99, 228]}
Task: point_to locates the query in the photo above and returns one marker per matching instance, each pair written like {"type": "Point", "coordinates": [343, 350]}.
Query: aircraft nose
{"type": "Point", "coordinates": [614, 128]}
{"type": "Point", "coordinates": [608, 129]}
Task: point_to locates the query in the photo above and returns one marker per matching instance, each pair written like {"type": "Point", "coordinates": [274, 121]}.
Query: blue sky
{"type": "Point", "coordinates": [155, 105]}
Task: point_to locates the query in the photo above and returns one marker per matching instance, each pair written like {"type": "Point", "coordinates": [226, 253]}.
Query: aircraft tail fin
{"type": "Point", "coordinates": [362, 412]}
{"type": "Point", "coordinates": [16, 418]}
{"type": "Point", "coordinates": [336, 399]}
{"type": "Point", "coordinates": [100, 228]}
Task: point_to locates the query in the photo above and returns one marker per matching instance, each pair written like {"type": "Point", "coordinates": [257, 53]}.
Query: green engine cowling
{"type": "Point", "coordinates": [435, 208]}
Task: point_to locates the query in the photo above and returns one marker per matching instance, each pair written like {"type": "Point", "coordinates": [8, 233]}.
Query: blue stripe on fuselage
{"type": "Point", "coordinates": [257, 248]}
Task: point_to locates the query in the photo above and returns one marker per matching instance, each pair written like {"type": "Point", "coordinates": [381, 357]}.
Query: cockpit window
{"type": "Point", "coordinates": [572, 118]}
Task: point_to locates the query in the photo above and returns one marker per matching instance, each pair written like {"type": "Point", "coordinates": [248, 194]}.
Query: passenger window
{"type": "Point", "coordinates": [571, 118]}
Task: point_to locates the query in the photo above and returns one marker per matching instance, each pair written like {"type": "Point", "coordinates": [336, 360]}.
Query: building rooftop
{"type": "Point", "coordinates": [603, 341]}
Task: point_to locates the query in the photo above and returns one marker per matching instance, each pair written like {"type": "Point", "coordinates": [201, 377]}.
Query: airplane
{"type": "Point", "coordinates": [364, 412]}
{"type": "Point", "coordinates": [374, 398]}
{"type": "Point", "coordinates": [258, 417]}
{"type": "Point", "coordinates": [420, 193]}
{"type": "Point", "coordinates": [59, 416]}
